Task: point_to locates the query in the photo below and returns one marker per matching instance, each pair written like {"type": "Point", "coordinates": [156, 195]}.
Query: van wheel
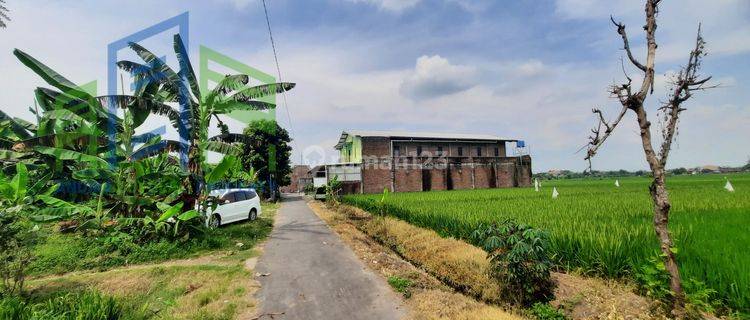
{"type": "Point", "coordinates": [214, 221]}
{"type": "Point", "coordinates": [253, 214]}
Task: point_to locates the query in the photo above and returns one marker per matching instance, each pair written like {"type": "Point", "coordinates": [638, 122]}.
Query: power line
{"type": "Point", "coordinates": [278, 71]}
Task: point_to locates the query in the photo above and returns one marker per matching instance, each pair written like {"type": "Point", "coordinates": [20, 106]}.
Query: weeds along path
{"type": "Point", "coordinates": [306, 272]}
{"type": "Point", "coordinates": [217, 285]}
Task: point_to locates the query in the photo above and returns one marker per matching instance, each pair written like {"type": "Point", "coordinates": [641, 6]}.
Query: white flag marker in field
{"type": "Point", "coordinates": [729, 187]}
{"type": "Point", "coordinates": [617, 183]}
{"type": "Point", "coordinates": [555, 193]}
{"type": "Point", "coordinates": [536, 184]}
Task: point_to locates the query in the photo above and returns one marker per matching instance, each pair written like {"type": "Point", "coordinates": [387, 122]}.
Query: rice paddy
{"type": "Point", "coordinates": [605, 230]}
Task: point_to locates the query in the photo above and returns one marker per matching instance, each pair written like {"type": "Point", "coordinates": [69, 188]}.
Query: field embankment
{"type": "Point", "coordinates": [600, 229]}
{"type": "Point", "coordinates": [464, 267]}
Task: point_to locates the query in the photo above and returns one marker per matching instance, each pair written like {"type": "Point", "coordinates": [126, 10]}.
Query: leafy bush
{"type": "Point", "coordinates": [401, 285]}
{"type": "Point", "coordinates": [87, 305]}
{"type": "Point", "coordinates": [653, 281]}
{"type": "Point", "coordinates": [519, 260]}
{"type": "Point", "coordinates": [333, 189]}
{"type": "Point", "coordinates": [15, 253]}
{"type": "Point", "coordinates": [544, 311]}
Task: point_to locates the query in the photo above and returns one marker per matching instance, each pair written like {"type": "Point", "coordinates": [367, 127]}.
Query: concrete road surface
{"type": "Point", "coordinates": [313, 275]}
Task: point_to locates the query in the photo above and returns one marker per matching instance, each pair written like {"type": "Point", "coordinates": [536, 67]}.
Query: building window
{"type": "Point", "coordinates": [396, 151]}
{"type": "Point", "coordinates": [460, 151]}
{"type": "Point", "coordinates": [439, 151]}
{"type": "Point", "coordinates": [497, 152]}
{"type": "Point", "coordinates": [419, 151]}
{"type": "Point", "coordinates": [479, 151]}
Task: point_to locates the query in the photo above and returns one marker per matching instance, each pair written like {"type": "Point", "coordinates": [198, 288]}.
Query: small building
{"type": "Point", "coordinates": [371, 161]}
{"type": "Point", "coordinates": [299, 178]}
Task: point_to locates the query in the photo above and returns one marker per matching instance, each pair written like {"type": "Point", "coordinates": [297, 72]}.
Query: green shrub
{"type": "Point", "coordinates": [401, 285]}
{"type": "Point", "coordinates": [653, 281]}
{"type": "Point", "coordinates": [519, 261]}
{"type": "Point", "coordinates": [544, 311]}
{"type": "Point", "coordinates": [15, 253]}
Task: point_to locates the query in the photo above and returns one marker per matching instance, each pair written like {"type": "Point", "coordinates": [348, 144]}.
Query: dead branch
{"type": "Point", "coordinates": [626, 44]}
{"type": "Point", "coordinates": [597, 139]}
{"type": "Point", "coordinates": [686, 81]}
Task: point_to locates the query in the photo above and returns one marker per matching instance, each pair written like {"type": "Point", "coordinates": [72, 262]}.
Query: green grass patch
{"type": "Point", "coordinates": [62, 253]}
{"type": "Point", "coordinates": [597, 228]}
{"type": "Point", "coordinates": [401, 285]}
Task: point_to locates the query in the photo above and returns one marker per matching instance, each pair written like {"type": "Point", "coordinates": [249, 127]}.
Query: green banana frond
{"type": "Point", "coordinates": [185, 67]}
{"type": "Point", "coordinates": [50, 76]}
{"type": "Point", "coordinates": [64, 154]}
{"type": "Point", "coordinates": [160, 147]}
{"type": "Point", "coordinates": [15, 126]}
{"type": "Point", "coordinates": [78, 140]}
{"type": "Point", "coordinates": [222, 147]}
{"type": "Point", "coordinates": [166, 75]}
{"type": "Point", "coordinates": [140, 107]}
{"type": "Point", "coordinates": [260, 91]}
{"type": "Point", "coordinates": [234, 138]}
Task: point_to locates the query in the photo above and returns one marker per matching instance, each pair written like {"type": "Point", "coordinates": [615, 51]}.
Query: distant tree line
{"type": "Point", "coordinates": [567, 174]}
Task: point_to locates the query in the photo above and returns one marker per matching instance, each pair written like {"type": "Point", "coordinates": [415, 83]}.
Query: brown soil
{"type": "Point", "coordinates": [464, 266]}
{"type": "Point", "coordinates": [428, 297]}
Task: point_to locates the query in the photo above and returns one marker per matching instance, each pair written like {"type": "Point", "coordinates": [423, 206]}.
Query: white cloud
{"type": "Point", "coordinates": [530, 68]}
{"type": "Point", "coordinates": [435, 76]}
{"type": "Point", "coordinates": [241, 4]}
{"type": "Point", "coordinates": [390, 5]}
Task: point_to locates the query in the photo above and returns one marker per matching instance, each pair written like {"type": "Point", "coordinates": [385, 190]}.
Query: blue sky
{"type": "Point", "coordinates": [523, 69]}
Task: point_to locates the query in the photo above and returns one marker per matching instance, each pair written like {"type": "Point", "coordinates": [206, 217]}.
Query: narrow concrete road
{"type": "Point", "coordinates": [313, 275]}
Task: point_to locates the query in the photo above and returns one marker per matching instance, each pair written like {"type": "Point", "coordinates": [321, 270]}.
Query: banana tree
{"type": "Point", "coordinates": [19, 195]}
{"type": "Point", "coordinates": [157, 81]}
{"type": "Point", "coordinates": [76, 135]}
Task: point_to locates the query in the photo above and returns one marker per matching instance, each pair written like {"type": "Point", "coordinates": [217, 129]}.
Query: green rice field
{"type": "Point", "coordinates": [606, 230]}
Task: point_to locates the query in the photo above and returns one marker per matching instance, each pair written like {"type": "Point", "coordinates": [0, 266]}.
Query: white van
{"type": "Point", "coordinates": [233, 205]}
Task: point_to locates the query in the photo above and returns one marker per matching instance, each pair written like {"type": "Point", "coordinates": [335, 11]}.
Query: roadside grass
{"type": "Point", "coordinates": [62, 253]}
{"type": "Point", "coordinates": [465, 267]}
{"type": "Point", "coordinates": [462, 267]}
{"type": "Point", "coordinates": [208, 290]}
{"type": "Point", "coordinates": [206, 279]}
{"type": "Point", "coordinates": [429, 298]}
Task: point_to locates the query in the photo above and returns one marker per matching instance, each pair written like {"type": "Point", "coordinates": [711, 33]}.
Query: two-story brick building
{"type": "Point", "coordinates": [371, 161]}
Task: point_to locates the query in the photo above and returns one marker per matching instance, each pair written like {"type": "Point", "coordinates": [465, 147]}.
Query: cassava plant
{"type": "Point", "coordinates": [519, 258]}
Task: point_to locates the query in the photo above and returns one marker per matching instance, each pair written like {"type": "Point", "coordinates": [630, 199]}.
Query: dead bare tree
{"type": "Point", "coordinates": [684, 83]}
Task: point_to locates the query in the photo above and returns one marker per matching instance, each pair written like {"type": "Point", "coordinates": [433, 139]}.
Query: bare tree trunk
{"type": "Point", "coordinates": [684, 84]}
{"type": "Point", "coordinates": [660, 199]}
{"type": "Point", "coordinates": [661, 222]}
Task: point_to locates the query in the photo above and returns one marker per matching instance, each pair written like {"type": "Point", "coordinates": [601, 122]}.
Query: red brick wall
{"type": "Point", "coordinates": [437, 180]}
{"type": "Point", "coordinates": [524, 172]}
{"type": "Point", "coordinates": [375, 146]}
{"type": "Point", "coordinates": [482, 176]}
{"type": "Point", "coordinates": [505, 174]}
{"type": "Point", "coordinates": [461, 175]}
{"type": "Point", "coordinates": [408, 179]}
{"type": "Point", "coordinates": [375, 179]}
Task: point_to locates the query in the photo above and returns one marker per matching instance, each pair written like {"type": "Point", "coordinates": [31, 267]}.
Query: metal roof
{"type": "Point", "coordinates": [418, 135]}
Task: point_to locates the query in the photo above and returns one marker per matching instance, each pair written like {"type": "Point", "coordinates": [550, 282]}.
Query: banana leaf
{"type": "Point", "coordinates": [260, 91]}
{"type": "Point", "coordinates": [64, 154]}
{"type": "Point", "coordinates": [218, 173]}
{"type": "Point", "coordinates": [50, 76]}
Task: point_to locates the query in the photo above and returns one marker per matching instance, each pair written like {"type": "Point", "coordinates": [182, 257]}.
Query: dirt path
{"type": "Point", "coordinates": [306, 272]}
